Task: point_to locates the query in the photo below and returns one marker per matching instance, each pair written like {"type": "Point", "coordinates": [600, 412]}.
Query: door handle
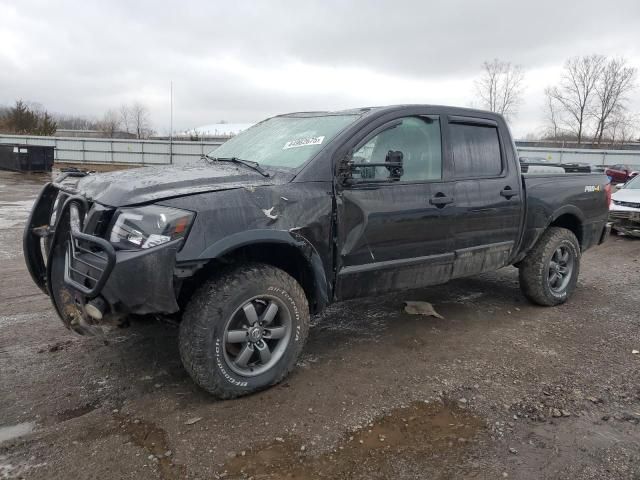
{"type": "Point", "coordinates": [507, 192]}
{"type": "Point", "coordinates": [440, 200]}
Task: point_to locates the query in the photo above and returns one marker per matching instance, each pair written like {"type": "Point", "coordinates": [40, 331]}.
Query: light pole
{"type": "Point", "coordinates": [171, 126]}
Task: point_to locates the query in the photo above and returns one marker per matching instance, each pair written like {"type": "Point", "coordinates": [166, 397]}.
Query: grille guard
{"type": "Point", "coordinates": [77, 263]}
{"type": "Point", "coordinates": [81, 248]}
{"type": "Point", "coordinates": [89, 260]}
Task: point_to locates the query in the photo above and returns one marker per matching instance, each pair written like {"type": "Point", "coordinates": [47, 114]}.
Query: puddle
{"type": "Point", "coordinates": [429, 439]}
{"type": "Point", "coordinates": [14, 214]}
{"type": "Point", "coordinates": [10, 432]}
{"type": "Point", "coordinates": [153, 439]}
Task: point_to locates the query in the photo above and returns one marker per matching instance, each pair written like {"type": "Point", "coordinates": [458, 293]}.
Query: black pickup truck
{"type": "Point", "coordinates": [300, 211]}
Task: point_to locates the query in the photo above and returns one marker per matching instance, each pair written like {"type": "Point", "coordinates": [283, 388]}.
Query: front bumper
{"type": "Point", "coordinates": [74, 267]}
{"type": "Point", "coordinates": [625, 220]}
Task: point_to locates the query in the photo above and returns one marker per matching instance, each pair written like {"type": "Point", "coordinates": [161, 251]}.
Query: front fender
{"type": "Point", "coordinates": [291, 238]}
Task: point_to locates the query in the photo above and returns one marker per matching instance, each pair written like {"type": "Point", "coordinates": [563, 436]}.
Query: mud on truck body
{"type": "Point", "coordinates": [300, 211]}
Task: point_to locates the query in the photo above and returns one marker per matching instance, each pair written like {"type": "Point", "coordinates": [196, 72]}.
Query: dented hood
{"type": "Point", "coordinates": [150, 184]}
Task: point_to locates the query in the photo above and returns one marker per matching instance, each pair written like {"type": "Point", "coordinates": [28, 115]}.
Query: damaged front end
{"type": "Point", "coordinates": [626, 221]}
{"type": "Point", "coordinates": [91, 283]}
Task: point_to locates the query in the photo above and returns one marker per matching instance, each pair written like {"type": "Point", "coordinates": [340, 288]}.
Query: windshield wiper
{"type": "Point", "coordinates": [247, 163]}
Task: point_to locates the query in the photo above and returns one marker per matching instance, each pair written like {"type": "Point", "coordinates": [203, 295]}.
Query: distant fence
{"type": "Point", "coordinates": [163, 152]}
{"type": "Point", "coordinates": [98, 150]}
{"type": "Point", "coordinates": [582, 155]}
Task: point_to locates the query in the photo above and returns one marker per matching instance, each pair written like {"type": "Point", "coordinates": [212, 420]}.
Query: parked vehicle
{"type": "Point", "coordinates": [625, 208]}
{"type": "Point", "coordinates": [297, 212]}
{"type": "Point", "coordinates": [621, 173]}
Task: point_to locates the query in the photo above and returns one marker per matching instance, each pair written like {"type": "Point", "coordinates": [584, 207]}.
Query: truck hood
{"type": "Point", "coordinates": [150, 184]}
{"type": "Point", "coordinates": [627, 195]}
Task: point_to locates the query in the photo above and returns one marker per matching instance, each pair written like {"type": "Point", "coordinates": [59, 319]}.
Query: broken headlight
{"type": "Point", "coordinates": [150, 226]}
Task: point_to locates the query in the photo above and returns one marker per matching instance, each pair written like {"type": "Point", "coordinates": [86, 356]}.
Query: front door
{"type": "Point", "coordinates": [391, 233]}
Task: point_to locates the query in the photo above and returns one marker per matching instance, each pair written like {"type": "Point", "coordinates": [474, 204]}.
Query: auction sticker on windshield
{"type": "Point", "coordinates": [303, 142]}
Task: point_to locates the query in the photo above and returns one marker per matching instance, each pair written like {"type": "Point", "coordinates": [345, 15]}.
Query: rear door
{"type": "Point", "coordinates": [487, 194]}
{"type": "Point", "coordinates": [392, 234]}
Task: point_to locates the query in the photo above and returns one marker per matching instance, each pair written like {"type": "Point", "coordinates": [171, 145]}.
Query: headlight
{"type": "Point", "coordinates": [150, 226]}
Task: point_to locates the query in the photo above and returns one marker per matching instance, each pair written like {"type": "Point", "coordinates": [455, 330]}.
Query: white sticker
{"type": "Point", "coordinates": [303, 142]}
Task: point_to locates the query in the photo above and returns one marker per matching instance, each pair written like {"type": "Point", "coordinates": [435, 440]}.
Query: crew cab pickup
{"type": "Point", "coordinates": [297, 212]}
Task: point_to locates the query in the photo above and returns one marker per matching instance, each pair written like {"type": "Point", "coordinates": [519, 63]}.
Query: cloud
{"type": "Point", "coordinates": [242, 61]}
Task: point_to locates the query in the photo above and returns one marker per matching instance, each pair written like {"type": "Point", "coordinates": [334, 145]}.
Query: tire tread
{"type": "Point", "coordinates": [195, 329]}
{"type": "Point", "coordinates": [533, 268]}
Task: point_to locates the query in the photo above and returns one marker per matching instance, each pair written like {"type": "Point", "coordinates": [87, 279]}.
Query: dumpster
{"type": "Point", "coordinates": [26, 158]}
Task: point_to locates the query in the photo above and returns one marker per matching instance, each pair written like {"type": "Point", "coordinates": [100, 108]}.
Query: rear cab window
{"type": "Point", "coordinates": [475, 150]}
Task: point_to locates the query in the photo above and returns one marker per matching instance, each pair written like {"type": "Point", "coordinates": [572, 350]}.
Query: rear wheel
{"type": "Point", "coordinates": [549, 273]}
{"type": "Point", "coordinates": [244, 330]}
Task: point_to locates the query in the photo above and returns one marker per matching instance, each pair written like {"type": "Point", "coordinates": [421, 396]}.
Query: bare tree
{"type": "Point", "coordinates": [615, 82]}
{"type": "Point", "coordinates": [75, 122]}
{"type": "Point", "coordinates": [500, 87]}
{"type": "Point", "coordinates": [125, 118]}
{"type": "Point", "coordinates": [576, 92]}
{"type": "Point", "coordinates": [135, 119]}
{"type": "Point", "coordinates": [553, 115]}
{"type": "Point", "coordinates": [110, 123]}
{"type": "Point", "coordinates": [622, 127]}
{"type": "Point", "coordinates": [141, 122]}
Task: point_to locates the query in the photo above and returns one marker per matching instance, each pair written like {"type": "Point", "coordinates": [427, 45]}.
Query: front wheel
{"type": "Point", "coordinates": [244, 330]}
{"type": "Point", "coordinates": [549, 273]}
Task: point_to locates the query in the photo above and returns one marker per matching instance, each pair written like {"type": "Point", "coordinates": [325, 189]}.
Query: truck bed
{"type": "Point", "coordinates": [573, 198]}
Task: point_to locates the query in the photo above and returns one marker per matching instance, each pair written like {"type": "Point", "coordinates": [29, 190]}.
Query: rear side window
{"type": "Point", "coordinates": [476, 150]}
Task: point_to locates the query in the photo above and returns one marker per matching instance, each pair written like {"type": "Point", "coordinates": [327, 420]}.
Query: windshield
{"type": "Point", "coordinates": [284, 141]}
{"type": "Point", "coordinates": [634, 183]}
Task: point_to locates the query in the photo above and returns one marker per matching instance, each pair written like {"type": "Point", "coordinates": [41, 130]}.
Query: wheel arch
{"type": "Point", "coordinates": [287, 250]}
{"type": "Point", "coordinates": [571, 218]}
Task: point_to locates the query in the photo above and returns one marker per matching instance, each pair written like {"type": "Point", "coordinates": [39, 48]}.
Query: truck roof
{"type": "Point", "coordinates": [392, 108]}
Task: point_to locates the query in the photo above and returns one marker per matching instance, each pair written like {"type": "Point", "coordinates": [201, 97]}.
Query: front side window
{"type": "Point", "coordinates": [287, 141]}
{"type": "Point", "coordinates": [416, 138]}
{"type": "Point", "coordinates": [476, 150]}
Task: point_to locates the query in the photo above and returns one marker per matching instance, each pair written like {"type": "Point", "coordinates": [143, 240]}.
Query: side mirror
{"type": "Point", "coordinates": [394, 161]}
{"type": "Point", "coordinates": [619, 186]}
{"type": "Point", "coordinates": [366, 172]}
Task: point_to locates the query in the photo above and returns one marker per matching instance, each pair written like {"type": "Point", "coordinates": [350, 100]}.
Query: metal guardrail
{"type": "Point", "coordinates": [119, 151]}
{"type": "Point", "coordinates": [164, 152]}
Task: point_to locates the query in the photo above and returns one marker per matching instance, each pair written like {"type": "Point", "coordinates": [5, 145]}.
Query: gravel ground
{"type": "Point", "coordinates": [499, 388]}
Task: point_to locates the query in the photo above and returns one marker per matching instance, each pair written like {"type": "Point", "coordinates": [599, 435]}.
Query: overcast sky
{"type": "Point", "coordinates": [242, 61]}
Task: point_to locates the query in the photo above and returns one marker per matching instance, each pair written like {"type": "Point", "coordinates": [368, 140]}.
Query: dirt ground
{"type": "Point", "coordinates": [499, 388]}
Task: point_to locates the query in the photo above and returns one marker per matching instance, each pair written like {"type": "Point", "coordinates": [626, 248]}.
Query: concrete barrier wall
{"type": "Point", "coordinates": [163, 152]}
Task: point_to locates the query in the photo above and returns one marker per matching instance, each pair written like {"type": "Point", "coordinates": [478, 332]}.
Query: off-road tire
{"type": "Point", "coordinates": [534, 281]}
{"type": "Point", "coordinates": [201, 339]}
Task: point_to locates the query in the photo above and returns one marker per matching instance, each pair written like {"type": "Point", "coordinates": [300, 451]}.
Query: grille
{"type": "Point", "coordinates": [89, 260]}
{"type": "Point", "coordinates": [627, 204]}
{"type": "Point", "coordinates": [620, 215]}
